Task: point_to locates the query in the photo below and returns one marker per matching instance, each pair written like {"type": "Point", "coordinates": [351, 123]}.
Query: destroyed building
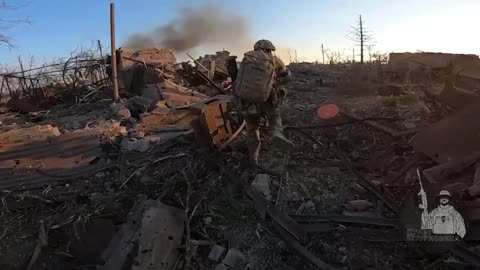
{"type": "Point", "coordinates": [159, 180]}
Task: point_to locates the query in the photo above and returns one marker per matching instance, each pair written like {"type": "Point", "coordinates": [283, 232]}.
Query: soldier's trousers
{"type": "Point", "coordinates": [254, 114]}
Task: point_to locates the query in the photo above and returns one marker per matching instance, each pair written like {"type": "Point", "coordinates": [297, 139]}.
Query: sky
{"type": "Point", "coordinates": [59, 27]}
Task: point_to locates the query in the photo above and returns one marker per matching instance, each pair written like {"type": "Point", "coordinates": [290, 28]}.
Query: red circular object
{"type": "Point", "coordinates": [327, 111]}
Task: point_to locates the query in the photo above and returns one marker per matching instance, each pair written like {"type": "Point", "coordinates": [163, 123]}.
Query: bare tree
{"type": "Point", "coordinates": [360, 36]}
{"type": "Point", "coordinates": [9, 23]}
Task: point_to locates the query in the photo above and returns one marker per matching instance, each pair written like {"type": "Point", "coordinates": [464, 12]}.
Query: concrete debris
{"type": "Point", "coordinates": [139, 105]}
{"type": "Point", "coordinates": [139, 68]}
{"type": "Point", "coordinates": [216, 253]}
{"type": "Point", "coordinates": [261, 183]}
{"type": "Point", "coordinates": [110, 129]}
{"type": "Point", "coordinates": [214, 65]}
{"type": "Point", "coordinates": [234, 258]}
{"type": "Point", "coordinates": [120, 111]}
{"type": "Point", "coordinates": [309, 205]}
{"type": "Point", "coordinates": [152, 92]}
{"type": "Point", "coordinates": [123, 114]}
{"type": "Point", "coordinates": [166, 136]}
{"type": "Point", "coordinates": [154, 56]}
{"type": "Point", "coordinates": [160, 106]}
{"type": "Point", "coordinates": [135, 134]}
{"type": "Point", "coordinates": [358, 205]}
{"type": "Point", "coordinates": [221, 266]}
{"type": "Point", "coordinates": [136, 145]}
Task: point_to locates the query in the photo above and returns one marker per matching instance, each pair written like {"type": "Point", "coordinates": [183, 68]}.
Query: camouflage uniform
{"type": "Point", "coordinates": [254, 113]}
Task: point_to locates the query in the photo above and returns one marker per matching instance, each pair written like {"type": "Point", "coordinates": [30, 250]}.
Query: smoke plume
{"type": "Point", "coordinates": [202, 28]}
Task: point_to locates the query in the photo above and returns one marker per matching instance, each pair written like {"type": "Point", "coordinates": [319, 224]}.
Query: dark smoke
{"type": "Point", "coordinates": [139, 41]}
{"type": "Point", "coordinates": [206, 26]}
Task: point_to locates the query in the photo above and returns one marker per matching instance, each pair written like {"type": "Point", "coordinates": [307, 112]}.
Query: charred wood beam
{"type": "Point", "coordinates": [385, 222]}
{"type": "Point", "coordinates": [300, 249]}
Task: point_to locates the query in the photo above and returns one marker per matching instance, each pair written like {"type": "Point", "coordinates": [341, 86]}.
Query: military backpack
{"type": "Point", "coordinates": [256, 76]}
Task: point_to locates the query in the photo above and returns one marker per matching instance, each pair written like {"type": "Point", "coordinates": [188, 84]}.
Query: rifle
{"type": "Point", "coordinates": [422, 192]}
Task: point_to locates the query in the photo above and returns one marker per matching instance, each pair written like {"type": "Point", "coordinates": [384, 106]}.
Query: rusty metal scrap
{"type": "Point", "coordinates": [122, 246]}
{"type": "Point", "coordinates": [453, 137]}
{"type": "Point", "coordinates": [34, 164]}
{"type": "Point", "coordinates": [161, 235]}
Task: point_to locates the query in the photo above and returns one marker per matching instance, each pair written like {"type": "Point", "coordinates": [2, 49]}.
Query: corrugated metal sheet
{"type": "Point", "coordinates": [35, 164]}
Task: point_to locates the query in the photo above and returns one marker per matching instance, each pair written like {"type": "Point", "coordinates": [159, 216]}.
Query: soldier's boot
{"type": "Point", "coordinates": [278, 139]}
{"type": "Point", "coordinates": [253, 145]}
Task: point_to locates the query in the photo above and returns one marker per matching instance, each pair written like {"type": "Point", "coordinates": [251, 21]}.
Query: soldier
{"type": "Point", "coordinates": [260, 96]}
{"type": "Point", "coordinates": [444, 219]}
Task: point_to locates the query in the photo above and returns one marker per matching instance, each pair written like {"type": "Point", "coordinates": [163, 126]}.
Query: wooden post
{"type": "Point", "coordinates": [116, 96]}
{"type": "Point", "coordinates": [323, 55]}
{"type": "Point", "coordinates": [1, 89]}
{"type": "Point", "coordinates": [102, 65]}
{"type": "Point", "coordinates": [10, 94]}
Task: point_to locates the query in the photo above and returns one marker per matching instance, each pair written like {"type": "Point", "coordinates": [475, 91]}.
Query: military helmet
{"type": "Point", "coordinates": [263, 44]}
{"type": "Point", "coordinates": [444, 193]}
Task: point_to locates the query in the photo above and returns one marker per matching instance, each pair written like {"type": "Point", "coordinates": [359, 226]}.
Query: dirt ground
{"type": "Point", "coordinates": [83, 214]}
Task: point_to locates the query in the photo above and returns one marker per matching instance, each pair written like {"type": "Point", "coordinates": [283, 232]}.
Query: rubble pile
{"type": "Point", "coordinates": [142, 67]}
{"type": "Point", "coordinates": [160, 180]}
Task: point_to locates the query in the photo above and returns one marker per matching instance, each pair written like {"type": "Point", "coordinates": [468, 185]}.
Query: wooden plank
{"type": "Point", "coordinates": [283, 220]}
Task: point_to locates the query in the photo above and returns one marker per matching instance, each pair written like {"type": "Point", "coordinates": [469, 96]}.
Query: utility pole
{"type": "Point", "coordinates": [360, 21]}
{"type": "Point", "coordinates": [353, 55]}
{"type": "Point", "coordinates": [116, 95]}
{"type": "Point", "coordinates": [323, 55]}
{"type": "Point", "coordinates": [296, 59]}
